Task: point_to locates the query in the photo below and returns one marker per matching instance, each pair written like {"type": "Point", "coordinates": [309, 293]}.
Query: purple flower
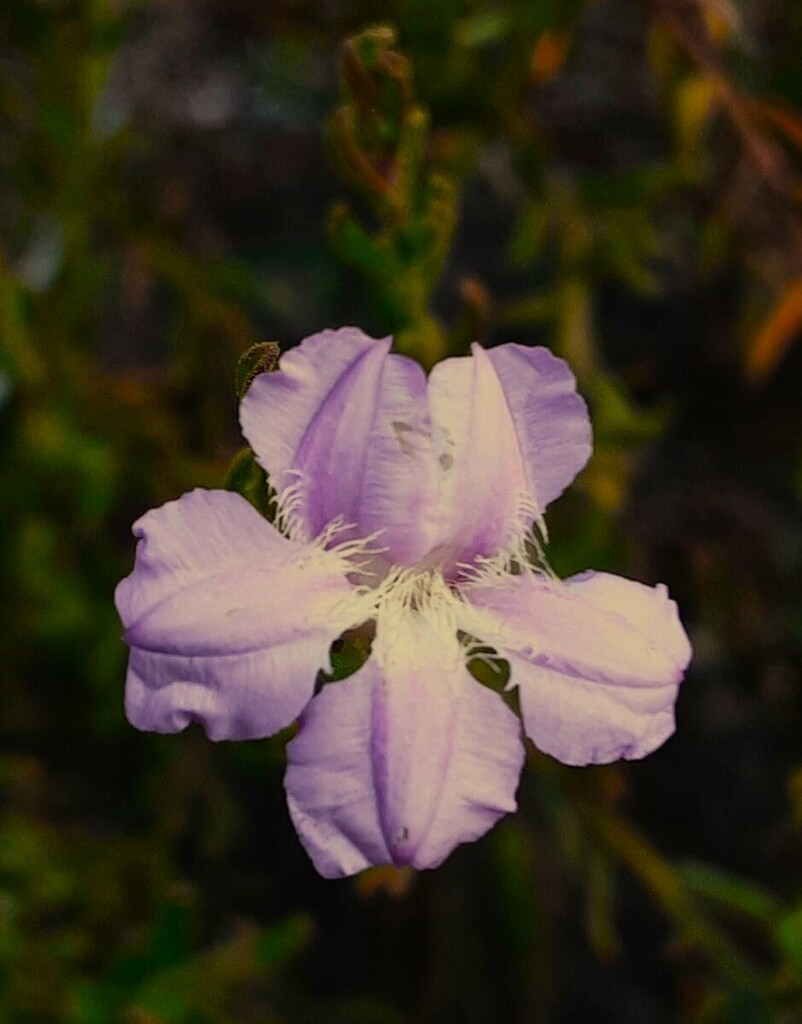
{"type": "Point", "coordinates": [409, 503]}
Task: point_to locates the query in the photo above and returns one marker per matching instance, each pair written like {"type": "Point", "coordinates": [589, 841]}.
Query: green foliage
{"type": "Point", "coordinates": [247, 477]}
{"type": "Point", "coordinates": [379, 138]}
{"type": "Point", "coordinates": [166, 982]}
{"type": "Point", "coordinates": [151, 234]}
{"type": "Point", "coordinates": [260, 358]}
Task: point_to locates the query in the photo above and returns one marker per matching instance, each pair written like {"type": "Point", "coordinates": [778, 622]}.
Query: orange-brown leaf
{"type": "Point", "coordinates": [548, 56]}
{"type": "Point", "coordinates": [782, 117]}
{"type": "Point", "coordinates": [780, 329]}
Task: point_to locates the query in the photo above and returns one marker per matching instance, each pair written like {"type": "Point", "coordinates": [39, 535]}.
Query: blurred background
{"type": "Point", "coordinates": [618, 180]}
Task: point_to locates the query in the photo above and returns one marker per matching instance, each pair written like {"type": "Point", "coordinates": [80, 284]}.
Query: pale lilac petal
{"type": "Point", "coordinates": [398, 492]}
{"type": "Point", "coordinates": [309, 415]}
{"type": "Point", "coordinates": [510, 433]}
{"type": "Point", "coordinates": [585, 722]}
{"type": "Point", "coordinates": [405, 759]}
{"type": "Point", "coordinates": [348, 424]}
{"type": "Point", "coordinates": [228, 622]}
{"type": "Point", "coordinates": [329, 781]}
{"type": "Point", "coordinates": [551, 419]}
{"type": "Point", "coordinates": [597, 659]}
{"type": "Point", "coordinates": [445, 470]}
{"type": "Point", "coordinates": [482, 474]}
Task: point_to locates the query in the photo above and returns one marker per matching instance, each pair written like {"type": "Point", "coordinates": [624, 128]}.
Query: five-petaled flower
{"type": "Point", "coordinates": [409, 503]}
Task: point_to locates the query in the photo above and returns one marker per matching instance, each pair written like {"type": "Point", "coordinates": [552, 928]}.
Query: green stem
{"type": "Point", "coordinates": [585, 792]}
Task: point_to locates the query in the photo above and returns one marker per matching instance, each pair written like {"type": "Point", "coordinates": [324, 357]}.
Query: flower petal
{"type": "Point", "coordinates": [405, 759]}
{"type": "Point", "coordinates": [443, 471]}
{"type": "Point", "coordinates": [482, 475]}
{"type": "Point", "coordinates": [551, 419]}
{"type": "Point", "coordinates": [349, 424]}
{"type": "Point", "coordinates": [510, 434]}
{"type": "Point", "coordinates": [399, 487]}
{"type": "Point", "coordinates": [228, 621]}
{"type": "Point", "coordinates": [597, 659]}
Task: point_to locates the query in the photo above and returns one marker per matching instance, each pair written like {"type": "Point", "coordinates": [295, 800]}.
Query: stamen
{"type": "Point", "coordinates": [523, 551]}
{"type": "Point", "coordinates": [417, 612]}
{"type": "Point", "coordinates": [413, 589]}
{"type": "Point", "coordinates": [288, 504]}
{"type": "Point", "coordinates": [355, 553]}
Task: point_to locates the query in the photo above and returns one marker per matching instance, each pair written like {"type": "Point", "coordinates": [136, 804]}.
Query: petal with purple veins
{"type": "Point", "coordinates": [480, 466]}
{"type": "Point", "coordinates": [228, 622]}
{"type": "Point", "coordinates": [551, 419]}
{"type": "Point", "coordinates": [510, 433]}
{"type": "Point", "coordinates": [448, 472]}
{"type": "Point", "coordinates": [407, 758]}
{"type": "Point", "coordinates": [597, 659]}
{"type": "Point", "coordinates": [347, 423]}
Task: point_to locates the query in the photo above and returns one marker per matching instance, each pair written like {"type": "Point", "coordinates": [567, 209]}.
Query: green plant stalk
{"type": "Point", "coordinates": [666, 887]}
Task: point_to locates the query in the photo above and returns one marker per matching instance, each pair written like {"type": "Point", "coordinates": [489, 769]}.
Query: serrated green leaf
{"type": "Point", "coordinates": [259, 358]}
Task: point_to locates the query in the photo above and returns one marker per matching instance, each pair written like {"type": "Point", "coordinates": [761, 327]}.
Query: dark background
{"type": "Point", "coordinates": [618, 181]}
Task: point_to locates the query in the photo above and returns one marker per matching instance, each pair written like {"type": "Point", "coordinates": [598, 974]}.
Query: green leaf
{"type": "Point", "coordinates": [410, 156]}
{"type": "Point", "coordinates": [371, 45]}
{"type": "Point", "coordinates": [357, 248]}
{"type": "Point", "coordinates": [164, 1003]}
{"type": "Point", "coordinates": [259, 358]}
{"type": "Point", "coordinates": [788, 933]}
{"type": "Point", "coordinates": [348, 655]}
{"type": "Point", "coordinates": [600, 905]}
{"type": "Point", "coordinates": [481, 29]}
{"type": "Point", "coordinates": [94, 1002]}
{"type": "Point", "coordinates": [281, 942]}
{"type": "Point", "coordinates": [730, 891]}
{"type": "Point", "coordinates": [246, 477]}
{"type": "Point", "coordinates": [530, 234]}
